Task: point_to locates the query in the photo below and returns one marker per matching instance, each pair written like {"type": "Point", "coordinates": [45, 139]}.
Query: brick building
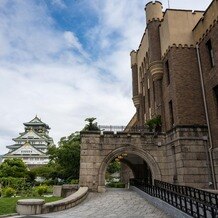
{"type": "Point", "coordinates": [175, 85]}
{"type": "Point", "coordinates": [175, 76]}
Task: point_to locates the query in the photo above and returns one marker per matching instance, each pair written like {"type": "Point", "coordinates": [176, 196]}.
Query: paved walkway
{"type": "Point", "coordinates": [113, 204]}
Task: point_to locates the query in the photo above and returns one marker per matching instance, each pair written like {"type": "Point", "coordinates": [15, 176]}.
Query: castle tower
{"type": "Point", "coordinates": [154, 16]}
{"type": "Point", "coordinates": [31, 145]}
{"type": "Point", "coordinates": [135, 85]}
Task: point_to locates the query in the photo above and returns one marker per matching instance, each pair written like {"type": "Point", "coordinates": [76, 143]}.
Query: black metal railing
{"type": "Point", "coordinates": [124, 128]}
{"type": "Point", "coordinates": [194, 202]}
{"type": "Point", "coordinates": [200, 195]}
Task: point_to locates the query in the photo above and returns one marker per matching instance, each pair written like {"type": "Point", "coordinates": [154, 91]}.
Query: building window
{"type": "Point", "coordinates": [211, 54]}
{"type": "Point", "coordinates": [149, 98]}
{"type": "Point", "coordinates": [154, 92]}
{"type": "Point", "coordinates": [215, 89]}
{"type": "Point", "coordinates": [138, 114]}
{"type": "Point", "coordinates": [167, 71]}
{"type": "Point", "coordinates": [171, 114]}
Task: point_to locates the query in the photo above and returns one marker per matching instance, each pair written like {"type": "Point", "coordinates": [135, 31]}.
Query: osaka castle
{"type": "Point", "coordinates": [31, 145]}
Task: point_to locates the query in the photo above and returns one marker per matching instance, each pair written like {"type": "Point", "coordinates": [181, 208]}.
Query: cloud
{"type": "Point", "coordinates": [66, 75]}
{"type": "Point", "coordinates": [45, 71]}
{"type": "Point", "coordinates": [73, 42]}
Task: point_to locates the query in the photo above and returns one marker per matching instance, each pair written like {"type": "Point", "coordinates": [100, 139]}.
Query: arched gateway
{"type": "Point", "coordinates": [177, 157]}
{"type": "Point", "coordinates": [143, 153]}
{"type": "Point", "coordinates": [129, 150]}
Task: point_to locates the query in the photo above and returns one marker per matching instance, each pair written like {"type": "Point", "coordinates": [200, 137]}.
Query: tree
{"type": "Point", "coordinates": [114, 167]}
{"type": "Point", "coordinates": [48, 171]}
{"type": "Point", "coordinates": [90, 126]}
{"type": "Point", "coordinates": [14, 168]}
{"type": "Point", "coordinates": [66, 157]}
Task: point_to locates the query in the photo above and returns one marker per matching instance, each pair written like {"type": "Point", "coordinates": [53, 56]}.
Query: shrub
{"type": "Point", "coordinates": [154, 124]}
{"type": "Point", "coordinates": [49, 182]}
{"type": "Point", "coordinates": [40, 190]}
{"type": "Point", "coordinates": [0, 192]}
{"type": "Point", "coordinates": [116, 185]}
{"type": "Point", "coordinates": [9, 192]}
{"type": "Point", "coordinates": [74, 181]}
{"type": "Point", "coordinates": [15, 183]}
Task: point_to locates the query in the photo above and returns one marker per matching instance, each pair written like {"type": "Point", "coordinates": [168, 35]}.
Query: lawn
{"type": "Point", "coordinates": [8, 205]}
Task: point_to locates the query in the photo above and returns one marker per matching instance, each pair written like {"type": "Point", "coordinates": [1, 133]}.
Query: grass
{"type": "Point", "coordinates": [8, 205]}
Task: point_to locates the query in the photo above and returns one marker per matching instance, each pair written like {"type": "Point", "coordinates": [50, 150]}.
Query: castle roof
{"type": "Point", "coordinates": [36, 122]}
{"type": "Point", "coordinates": [26, 149]}
{"type": "Point", "coordinates": [31, 134]}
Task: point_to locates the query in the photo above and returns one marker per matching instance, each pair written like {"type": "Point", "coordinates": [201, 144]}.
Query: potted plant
{"type": "Point", "coordinates": [154, 124]}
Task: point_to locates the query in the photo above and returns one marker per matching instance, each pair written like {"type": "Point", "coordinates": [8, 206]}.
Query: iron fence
{"type": "Point", "coordinates": [194, 202]}
{"type": "Point", "coordinates": [124, 128]}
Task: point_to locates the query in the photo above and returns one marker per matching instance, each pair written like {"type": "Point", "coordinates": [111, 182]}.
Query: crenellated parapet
{"type": "Point", "coordinates": [153, 11]}
{"type": "Point", "coordinates": [171, 35]}
{"type": "Point", "coordinates": [207, 22]}
{"type": "Point", "coordinates": [133, 55]}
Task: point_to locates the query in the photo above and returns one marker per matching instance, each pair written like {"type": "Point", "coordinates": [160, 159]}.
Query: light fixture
{"type": "Point", "coordinates": [120, 157]}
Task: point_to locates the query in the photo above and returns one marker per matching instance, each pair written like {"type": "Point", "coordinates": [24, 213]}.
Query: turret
{"type": "Point", "coordinates": [153, 11]}
{"type": "Point", "coordinates": [133, 55]}
{"type": "Point", "coordinates": [154, 16]}
{"type": "Point", "coordinates": [134, 67]}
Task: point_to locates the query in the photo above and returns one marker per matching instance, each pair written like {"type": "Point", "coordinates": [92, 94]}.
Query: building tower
{"type": "Point", "coordinates": [31, 146]}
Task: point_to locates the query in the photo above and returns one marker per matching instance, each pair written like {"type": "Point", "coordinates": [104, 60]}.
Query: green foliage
{"type": "Point", "coordinates": [47, 171]}
{"type": "Point", "coordinates": [40, 190]}
{"type": "Point", "coordinates": [1, 192]}
{"type": "Point", "coordinates": [90, 126]}
{"type": "Point", "coordinates": [30, 177]}
{"type": "Point", "coordinates": [14, 174]}
{"type": "Point", "coordinates": [114, 167]}
{"type": "Point", "coordinates": [8, 205]}
{"type": "Point", "coordinates": [9, 192]}
{"type": "Point", "coordinates": [13, 168]}
{"type": "Point", "coordinates": [65, 159]}
{"type": "Point", "coordinates": [74, 181]}
{"type": "Point", "coordinates": [116, 185]}
{"type": "Point", "coordinates": [15, 183]}
{"type": "Point", "coordinates": [154, 124]}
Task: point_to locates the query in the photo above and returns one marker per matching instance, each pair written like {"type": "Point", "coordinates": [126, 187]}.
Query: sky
{"type": "Point", "coordinates": [66, 60]}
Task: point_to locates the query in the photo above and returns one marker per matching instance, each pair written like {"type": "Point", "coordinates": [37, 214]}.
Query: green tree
{"type": "Point", "coordinates": [48, 171]}
{"type": "Point", "coordinates": [90, 126]}
{"type": "Point", "coordinates": [14, 168]}
{"type": "Point", "coordinates": [66, 157]}
{"type": "Point", "coordinates": [114, 167]}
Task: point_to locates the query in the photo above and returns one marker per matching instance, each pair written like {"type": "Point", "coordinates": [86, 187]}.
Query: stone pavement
{"type": "Point", "coordinates": [113, 203]}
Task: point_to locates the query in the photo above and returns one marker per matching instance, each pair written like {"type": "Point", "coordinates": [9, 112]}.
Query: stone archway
{"type": "Point", "coordinates": [162, 154]}
{"type": "Point", "coordinates": [98, 150]}
{"type": "Point", "coordinates": [156, 174]}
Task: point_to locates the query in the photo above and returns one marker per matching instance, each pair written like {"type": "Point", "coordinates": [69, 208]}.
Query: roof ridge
{"type": "Point", "coordinates": [28, 132]}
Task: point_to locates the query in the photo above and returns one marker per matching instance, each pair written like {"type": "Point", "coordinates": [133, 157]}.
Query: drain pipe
{"type": "Point", "coordinates": [210, 149]}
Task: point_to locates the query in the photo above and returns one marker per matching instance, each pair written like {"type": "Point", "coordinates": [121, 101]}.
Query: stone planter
{"type": "Point", "coordinates": [30, 206]}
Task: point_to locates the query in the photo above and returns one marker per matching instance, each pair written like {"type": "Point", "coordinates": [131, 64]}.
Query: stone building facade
{"type": "Point", "coordinates": [175, 78]}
